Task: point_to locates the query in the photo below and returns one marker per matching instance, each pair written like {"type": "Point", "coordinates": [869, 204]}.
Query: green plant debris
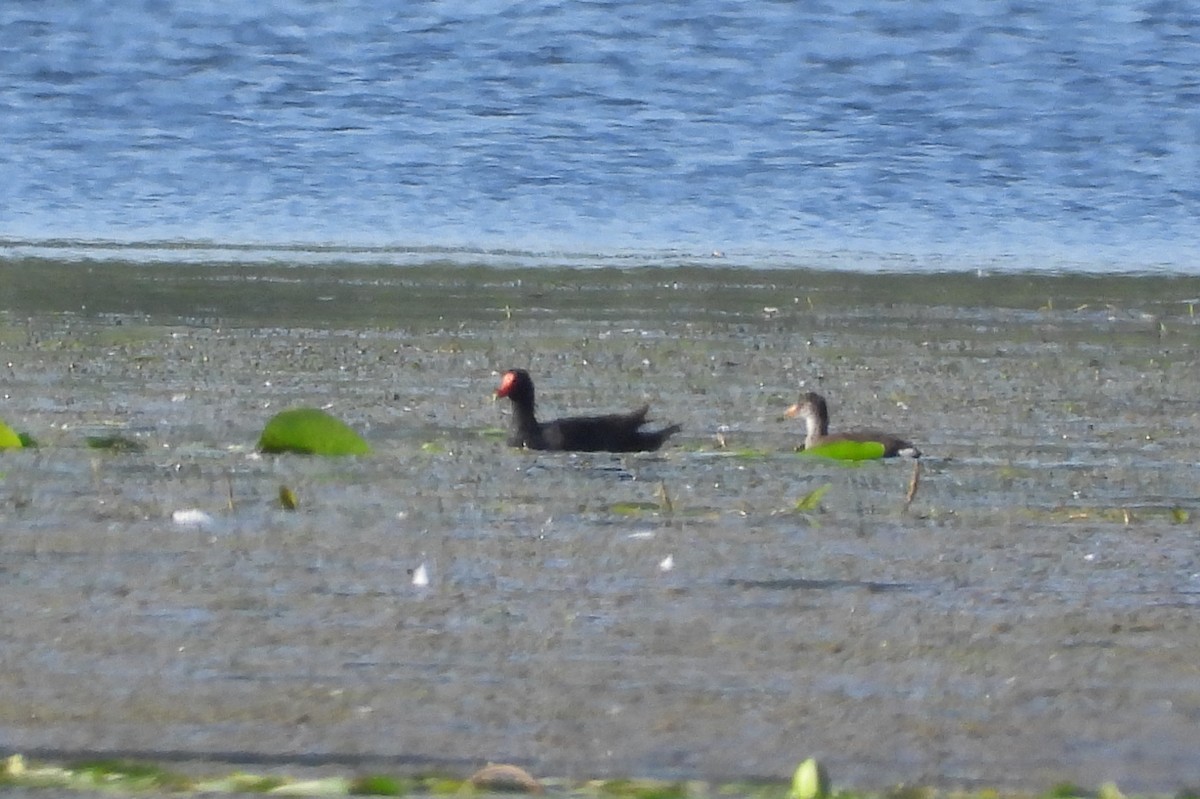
{"type": "Point", "coordinates": [847, 451]}
{"type": "Point", "coordinates": [115, 443]}
{"type": "Point", "coordinates": [27, 441]}
{"type": "Point", "coordinates": [287, 498]}
{"type": "Point", "coordinates": [750, 454]}
{"type": "Point", "coordinates": [633, 508]}
{"type": "Point", "coordinates": [811, 781]}
{"type": "Point", "coordinates": [129, 774]}
{"type": "Point", "coordinates": [310, 431]}
{"type": "Point", "coordinates": [433, 447]}
{"type": "Point", "coordinates": [9, 438]}
{"type": "Point", "coordinates": [643, 789]}
{"type": "Point", "coordinates": [380, 785]}
{"type": "Point", "coordinates": [443, 786]}
{"type": "Point", "coordinates": [239, 783]}
{"type": "Point", "coordinates": [1118, 515]}
{"type": "Point", "coordinates": [812, 500]}
{"type": "Point", "coordinates": [134, 777]}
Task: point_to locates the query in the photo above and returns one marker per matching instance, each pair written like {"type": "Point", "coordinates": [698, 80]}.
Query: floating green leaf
{"type": "Point", "coordinates": [812, 500]}
{"type": "Point", "coordinates": [811, 781]}
{"type": "Point", "coordinates": [750, 454]}
{"type": "Point", "coordinates": [310, 431]}
{"type": "Point", "coordinates": [8, 437]}
{"type": "Point", "coordinates": [633, 508]}
{"type": "Point", "coordinates": [847, 451]}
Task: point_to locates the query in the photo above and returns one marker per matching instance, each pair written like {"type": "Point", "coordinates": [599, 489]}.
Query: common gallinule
{"type": "Point", "coordinates": [618, 432]}
{"type": "Point", "coordinates": [812, 409]}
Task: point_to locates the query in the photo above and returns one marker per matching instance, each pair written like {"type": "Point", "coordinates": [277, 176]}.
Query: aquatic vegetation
{"type": "Point", "coordinates": [643, 789]}
{"type": "Point", "coordinates": [811, 781]}
{"type": "Point", "coordinates": [379, 785]}
{"type": "Point", "coordinates": [633, 508]}
{"type": "Point", "coordinates": [847, 451]}
{"type": "Point", "coordinates": [115, 443]}
{"type": "Point", "coordinates": [287, 498]}
{"type": "Point", "coordinates": [9, 438]}
{"type": "Point", "coordinates": [129, 774]}
{"type": "Point", "coordinates": [310, 431]}
{"type": "Point", "coordinates": [812, 500]}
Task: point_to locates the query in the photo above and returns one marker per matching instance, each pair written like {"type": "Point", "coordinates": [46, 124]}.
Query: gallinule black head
{"type": "Point", "coordinates": [618, 432]}
{"type": "Point", "coordinates": [812, 409]}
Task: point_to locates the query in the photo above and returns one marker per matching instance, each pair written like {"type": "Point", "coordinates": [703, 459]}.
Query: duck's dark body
{"type": "Point", "coordinates": [617, 432]}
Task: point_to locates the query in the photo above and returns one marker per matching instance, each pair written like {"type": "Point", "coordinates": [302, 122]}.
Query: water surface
{"type": "Point", "coordinates": [1029, 618]}
{"type": "Point", "coordinates": [1003, 135]}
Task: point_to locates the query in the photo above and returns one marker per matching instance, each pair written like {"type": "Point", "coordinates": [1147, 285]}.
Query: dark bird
{"type": "Point", "coordinates": [618, 432]}
{"type": "Point", "coordinates": [812, 409]}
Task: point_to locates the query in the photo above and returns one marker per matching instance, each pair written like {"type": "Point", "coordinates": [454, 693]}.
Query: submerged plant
{"type": "Point", "coordinates": [115, 443]}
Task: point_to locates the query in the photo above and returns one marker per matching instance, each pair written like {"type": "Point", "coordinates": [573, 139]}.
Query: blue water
{"type": "Point", "coordinates": [872, 134]}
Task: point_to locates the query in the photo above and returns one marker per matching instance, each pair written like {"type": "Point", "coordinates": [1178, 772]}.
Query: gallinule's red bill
{"type": "Point", "coordinates": [618, 432]}
{"type": "Point", "coordinates": [812, 409]}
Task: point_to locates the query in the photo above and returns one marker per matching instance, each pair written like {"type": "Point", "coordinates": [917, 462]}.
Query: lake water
{"type": "Point", "coordinates": [860, 135]}
{"type": "Point", "coordinates": [1029, 618]}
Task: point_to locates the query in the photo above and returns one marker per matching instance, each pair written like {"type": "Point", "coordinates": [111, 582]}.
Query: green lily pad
{"type": "Point", "coordinates": [9, 438]}
{"type": "Point", "coordinates": [310, 431]}
{"type": "Point", "coordinates": [847, 451]}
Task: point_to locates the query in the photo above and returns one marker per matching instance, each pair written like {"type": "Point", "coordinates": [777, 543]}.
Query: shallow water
{"type": "Point", "coordinates": [1029, 618]}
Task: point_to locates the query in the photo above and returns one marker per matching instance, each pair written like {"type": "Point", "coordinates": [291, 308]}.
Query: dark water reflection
{"type": "Point", "coordinates": [1041, 586]}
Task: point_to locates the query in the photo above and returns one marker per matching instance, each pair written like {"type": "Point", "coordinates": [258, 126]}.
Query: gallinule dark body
{"type": "Point", "coordinates": [812, 409]}
{"type": "Point", "coordinates": [618, 432]}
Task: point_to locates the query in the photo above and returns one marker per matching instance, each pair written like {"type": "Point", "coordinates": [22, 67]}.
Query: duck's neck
{"type": "Point", "coordinates": [523, 416]}
{"type": "Point", "coordinates": [815, 427]}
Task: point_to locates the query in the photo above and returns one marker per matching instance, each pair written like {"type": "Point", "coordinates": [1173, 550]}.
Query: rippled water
{"type": "Point", "coordinates": [1029, 618]}
{"type": "Point", "coordinates": [1003, 135]}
